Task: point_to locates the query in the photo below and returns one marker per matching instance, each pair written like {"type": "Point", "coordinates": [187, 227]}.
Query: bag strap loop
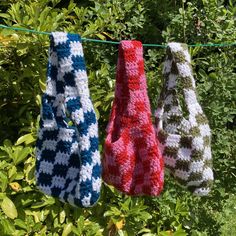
{"type": "Point", "coordinates": [174, 114]}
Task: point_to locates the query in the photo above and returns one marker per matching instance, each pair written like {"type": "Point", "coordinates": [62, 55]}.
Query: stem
{"type": "Point", "coordinates": [183, 16]}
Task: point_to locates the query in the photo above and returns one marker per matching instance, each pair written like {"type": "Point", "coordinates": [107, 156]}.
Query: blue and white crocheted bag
{"type": "Point", "coordinates": [68, 161]}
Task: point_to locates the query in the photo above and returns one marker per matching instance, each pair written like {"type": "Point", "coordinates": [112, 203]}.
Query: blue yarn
{"type": "Point", "coordinates": [50, 135]}
{"type": "Point", "coordinates": [73, 104]}
{"type": "Point", "coordinates": [47, 111]}
{"type": "Point", "coordinates": [68, 162]}
{"type": "Point", "coordinates": [69, 79]}
{"type": "Point", "coordinates": [60, 170]}
{"type": "Point", "coordinates": [52, 71]}
{"type": "Point", "coordinates": [60, 87]}
{"type": "Point", "coordinates": [78, 63]}
{"type": "Point", "coordinates": [45, 178]}
{"type": "Point", "coordinates": [96, 170]}
{"type": "Point", "coordinates": [63, 146]}
{"type": "Point", "coordinates": [56, 191]}
{"type": "Point", "coordinates": [48, 156]}
{"type": "Point", "coordinates": [39, 143]}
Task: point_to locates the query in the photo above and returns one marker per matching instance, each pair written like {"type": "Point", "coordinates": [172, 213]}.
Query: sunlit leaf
{"type": "Point", "coordinates": [9, 208]}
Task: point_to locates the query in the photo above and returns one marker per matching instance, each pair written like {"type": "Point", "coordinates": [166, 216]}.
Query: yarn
{"type": "Point", "coordinates": [183, 130]}
{"type": "Point", "coordinates": [67, 157]}
{"type": "Point", "coordinates": [132, 161]}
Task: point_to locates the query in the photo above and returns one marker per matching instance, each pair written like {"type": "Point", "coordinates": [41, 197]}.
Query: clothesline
{"type": "Point", "coordinates": [116, 42]}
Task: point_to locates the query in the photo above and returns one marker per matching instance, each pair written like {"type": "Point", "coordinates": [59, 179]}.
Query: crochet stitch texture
{"type": "Point", "coordinates": [183, 130]}
{"type": "Point", "coordinates": [132, 161]}
{"type": "Point", "coordinates": [68, 161]}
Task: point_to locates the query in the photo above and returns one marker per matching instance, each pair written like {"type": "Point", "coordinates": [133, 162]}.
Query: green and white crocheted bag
{"type": "Point", "coordinates": [181, 126]}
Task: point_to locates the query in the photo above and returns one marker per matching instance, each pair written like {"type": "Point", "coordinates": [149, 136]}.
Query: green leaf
{"type": "Point", "coordinates": [7, 143]}
{"type": "Point", "coordinates": [12, 173]}
{"type": "Point", "coordinates": [62, 216]}
{"type": "Point", "coordinates": [112, 212]}
{"type": "Point", "coordinates": [100, 36]}
{"type": "Point", "coordinates": [165, 233]}
{"type": "Point", "coordinates": [9, 208]}
{"type": "Point", "coordinates": [67, 229]}
{"type": "Point", "coordinates": [3, 181]}
{"type": "Point", "coordinates": [27, 139]}
{"type": "Point", "coordinates": [4, 15]}
{"type": "Point", "coordinates": [20, 223]}
{"type": "Point", "coordinates": [121, 232]}
{"type": "Point", "coordinates": [145, 230]}
{"type": "Point", "coordinates": [47, 201]}
{"type": "Point", "coordinates": [20, 154]}
{"type": "Point", "coordinates": [42, 85]}
{"type": "Point", "coordinates": [2, 195]}
{"type": "Point", "coordinates": [7, 227]}
{"type": "Point", "coordinates": [38, 100]}
{"type": "Point", "coordinates": [97, 113]}
{"type": "Point", "coordinates": [180, 233]}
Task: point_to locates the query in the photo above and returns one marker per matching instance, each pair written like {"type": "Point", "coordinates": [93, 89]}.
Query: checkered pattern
{"type": "Point", "coordinates": [68, 161]}
{"type": "Point", "coordinates": [183, 130]}
{"type": "Point", "coordinates": [132, 161]}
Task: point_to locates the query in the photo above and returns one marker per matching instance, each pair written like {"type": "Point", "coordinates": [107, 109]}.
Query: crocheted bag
{"type": "Point", "coordinates": [132, 161]}
{"type": "Point", "coordinates": [68, 161]}
{"type": "Point", "coordinates": [182, 127]}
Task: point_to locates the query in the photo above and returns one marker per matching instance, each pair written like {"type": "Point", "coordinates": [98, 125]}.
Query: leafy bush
{"type": "Point", "coordinates": [23, 57]}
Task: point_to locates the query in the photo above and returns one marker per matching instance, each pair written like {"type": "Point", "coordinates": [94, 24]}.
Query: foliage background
{"type": "Point", "coordinates": [23, 57]}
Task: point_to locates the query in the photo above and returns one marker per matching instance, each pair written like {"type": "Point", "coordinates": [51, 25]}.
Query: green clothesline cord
{"type": "Point", "coordinates": [115, 42]}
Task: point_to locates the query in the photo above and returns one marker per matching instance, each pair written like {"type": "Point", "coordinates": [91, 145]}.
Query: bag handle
{"type": "Point", "coordinates": [54, 85]}
{"type": "Point", "coordinates": [53, 109]}
{"type": "Point", "coordinates": [130, 82]}
{"type": "Point", "coordinates": [66, 75]}
{"type": "Point", "coordinates": [130, 74]}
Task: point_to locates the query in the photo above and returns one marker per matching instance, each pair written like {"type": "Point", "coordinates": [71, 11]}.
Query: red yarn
{"type": "Point", "coordinates": [132, 161]}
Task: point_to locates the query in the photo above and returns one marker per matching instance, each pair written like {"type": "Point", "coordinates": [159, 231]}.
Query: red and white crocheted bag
{"type": "Point", "coordinates": [132, 162]}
